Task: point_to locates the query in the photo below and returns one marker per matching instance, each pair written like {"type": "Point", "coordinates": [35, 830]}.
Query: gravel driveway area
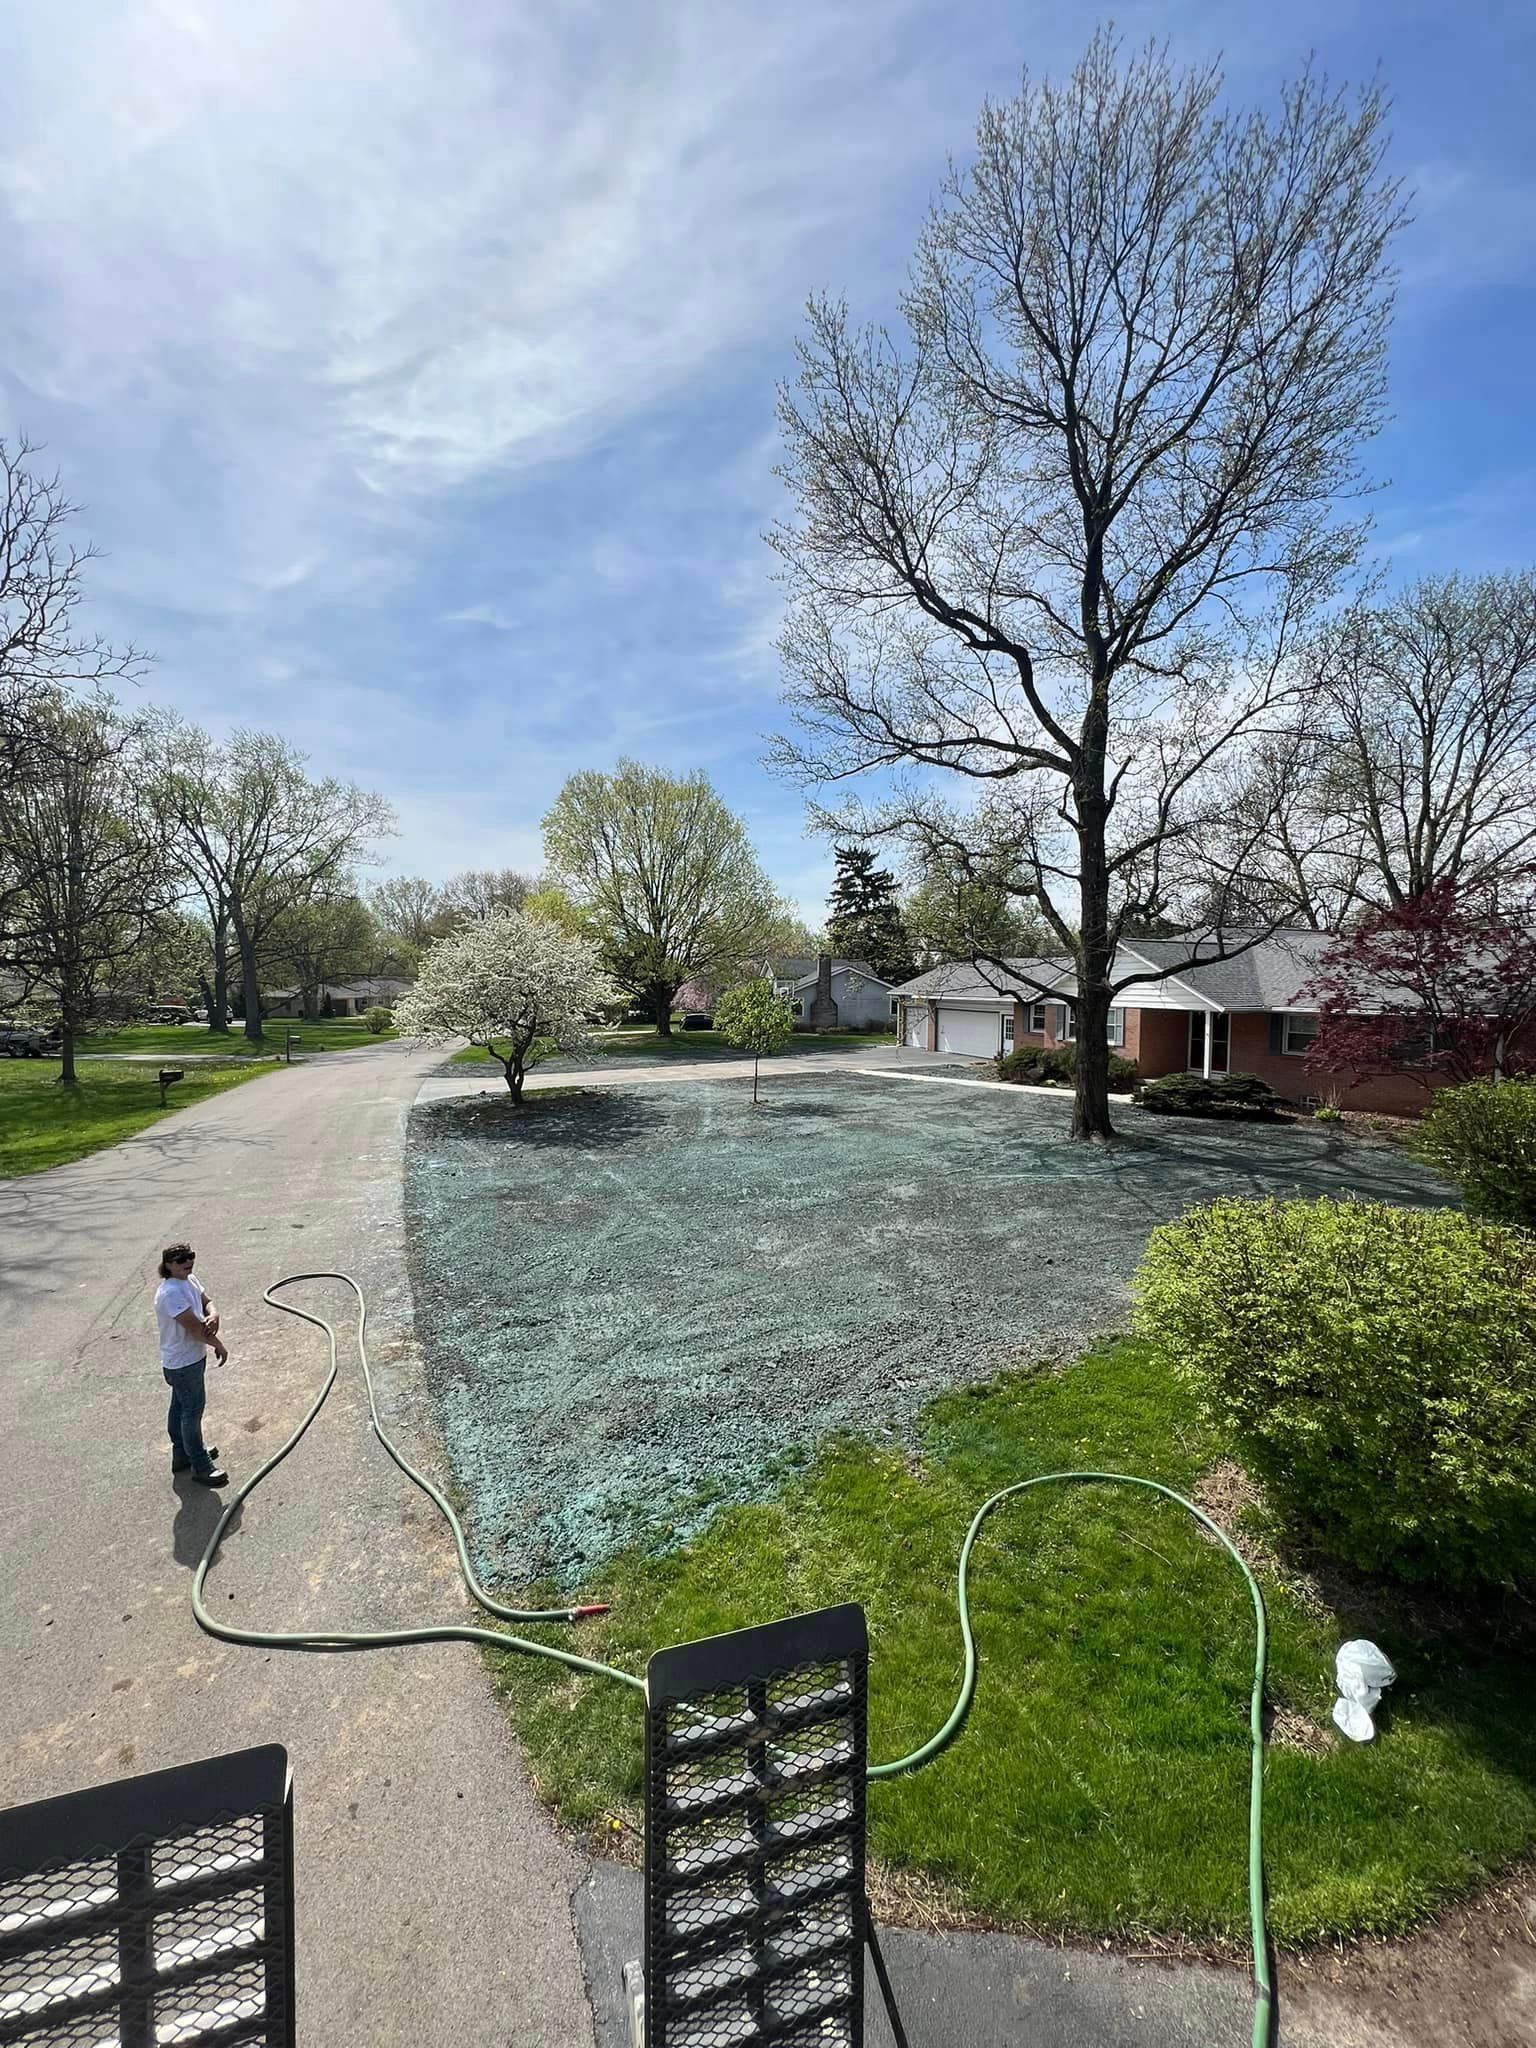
{"type": "Point", "coordinates": [638, 1302]}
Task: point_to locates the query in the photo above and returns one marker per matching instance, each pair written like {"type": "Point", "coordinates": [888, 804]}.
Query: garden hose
{"type": "Point", "coordinates": [353, 1639]}
{"type": "Point", "coordinates": [378, 1639]}
{"type": "Point", "coordinates": [1263, 1987]}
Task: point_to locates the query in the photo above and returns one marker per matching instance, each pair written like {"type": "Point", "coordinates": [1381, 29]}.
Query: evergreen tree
{"type": "Point", "coordinates": [864, 920]}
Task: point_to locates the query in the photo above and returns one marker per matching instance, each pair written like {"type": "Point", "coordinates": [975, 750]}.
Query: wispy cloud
{"type": "Point", "coordinates": [416, 361]}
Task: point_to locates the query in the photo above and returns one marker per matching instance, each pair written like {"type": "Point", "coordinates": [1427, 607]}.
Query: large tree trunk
{"type": "Point", "coordinates": [311, 1003]}
{"type": "Point", "coordinates": [661, 1005]}
{"type": "Point", "coordinates": [218, 1007]}
{"type": "Point", "coordinates": [250, 987]}
{"type": "Point", "coordinates": [67, 1078]}
{"type": "Point", "coordinates": [1090, 1105]}
{"type": "Point", "coordinates": [218, 1016]}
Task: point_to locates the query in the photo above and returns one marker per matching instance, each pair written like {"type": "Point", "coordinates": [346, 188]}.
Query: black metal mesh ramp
{"type": "Point", "coordinates": [755, 1916]}
{"type": "Point", "coordinates": [151, 1911]}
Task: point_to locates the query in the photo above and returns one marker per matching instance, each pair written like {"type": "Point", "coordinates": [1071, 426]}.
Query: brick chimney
{"type": "Point", "coordinates": [823, 1009]}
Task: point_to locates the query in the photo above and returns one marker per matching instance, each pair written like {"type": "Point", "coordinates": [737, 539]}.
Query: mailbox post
{"type": "Point", "coordinates": [293, 1039]}
{"type": "Point", "coordinates": [169, 1076]}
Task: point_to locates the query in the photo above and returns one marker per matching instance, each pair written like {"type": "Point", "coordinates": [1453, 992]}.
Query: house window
{"type": "Point", "coordinates": [1007, 1030]}
{"type": "Point", "coordinates": [1117, 1027]}
{"type": "Point", "coordinates": [1297, 1033]}
{"type": "Point", "coordinates": [797, 1009]}
{"type": "Point", "coordinates": [1221, 1041]}
{"type": "Point", "coordinates": [1037, 1019]}
{"type": "Point", "coordinates": [1066, 1024]}
{"type": "Point", "coordinates": [895, 1005]}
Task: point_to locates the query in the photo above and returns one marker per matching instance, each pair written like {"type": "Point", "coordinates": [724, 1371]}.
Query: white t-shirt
{"type": "Point", "coordinates": [178, 1347]}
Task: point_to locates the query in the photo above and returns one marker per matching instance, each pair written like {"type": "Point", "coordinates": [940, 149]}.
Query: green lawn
{"type": "Point", "coordinates": [42, 1124]}
{"type": "Point", "coordinates": [331, 1034]}
{"type": "Point", "coordinates": [641, 1041]}
{"type": "Point", "coordinates": [1100, 1786]}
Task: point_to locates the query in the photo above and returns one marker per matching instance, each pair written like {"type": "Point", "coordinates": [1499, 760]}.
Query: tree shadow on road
{"type": "Point", "coordinates": [578, 1117]}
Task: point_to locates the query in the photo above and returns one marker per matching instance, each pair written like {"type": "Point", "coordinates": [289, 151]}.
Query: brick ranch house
{"type": "Point", "coordinates": [1244, 1015]}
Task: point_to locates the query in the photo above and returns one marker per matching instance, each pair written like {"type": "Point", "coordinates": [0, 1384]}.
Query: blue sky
{"type": "Point", "coordinates": [416, 363]}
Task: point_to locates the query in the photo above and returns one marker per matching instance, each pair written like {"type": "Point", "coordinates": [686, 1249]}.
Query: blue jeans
{"type": "Point", "coordinates": [184, 1423]}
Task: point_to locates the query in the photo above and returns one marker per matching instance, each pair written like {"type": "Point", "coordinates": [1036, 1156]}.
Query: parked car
{"type": "Point", "coordinates": [695, 1020]}
{"type": "Point", "coordinates": [170, 1013]}
{"type": "Point", "coordinates": [28, 1041]}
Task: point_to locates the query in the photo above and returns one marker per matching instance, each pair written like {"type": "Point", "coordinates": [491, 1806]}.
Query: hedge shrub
{"type": "Point", "coordinates": [378, 1018]}
{"type": "Point", "coordinates": [1045, 1066]}
{"type": "Point", "coordinates": [1374, 1366]}
{"type": "Point", "coordinates": [1234, 1095]}
{"type": "Point", "coordinates": [1483, 1137]}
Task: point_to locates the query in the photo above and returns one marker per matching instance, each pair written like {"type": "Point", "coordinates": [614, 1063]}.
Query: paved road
{"type": "Point", "coordinates": [434, 1900]}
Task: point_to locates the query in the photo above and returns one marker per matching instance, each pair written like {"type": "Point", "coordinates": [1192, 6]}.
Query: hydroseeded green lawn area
{"type": "Point", "coordinates": [640, 1043]}
{"type": "Point", "coordinates": [331, 1034]}
{"type": "Point", "coordinates": [42, 1124]}
{"type": "Point", "coordinates": [1101, 1784]}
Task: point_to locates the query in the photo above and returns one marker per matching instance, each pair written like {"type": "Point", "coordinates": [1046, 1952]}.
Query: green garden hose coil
{"type": "Point", "coordinates": [353, 1639]}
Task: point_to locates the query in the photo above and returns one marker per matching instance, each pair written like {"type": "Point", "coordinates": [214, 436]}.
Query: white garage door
{"type": "Point", "coordinates": [917, 1026]}
{"type": "Point", "coordinates": [979, 1032]}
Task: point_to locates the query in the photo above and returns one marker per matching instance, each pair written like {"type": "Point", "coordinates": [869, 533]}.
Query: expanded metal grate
{"type": "Point", "coordinates": [755, 1915]}
{"type": "Point", "coordinates": [152, 1911]}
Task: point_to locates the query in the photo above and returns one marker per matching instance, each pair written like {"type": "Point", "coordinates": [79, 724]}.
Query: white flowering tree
{"type": "Point", "coordinates": [517, 986]}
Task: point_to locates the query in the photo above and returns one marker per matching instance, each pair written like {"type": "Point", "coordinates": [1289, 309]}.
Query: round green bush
{"type": "Point", "coordinates": [1374, 1366]}
{"type": "Point", "coordinates": [1483, 1137]}
{"type": "Point", "coordinates": [378, 1018]}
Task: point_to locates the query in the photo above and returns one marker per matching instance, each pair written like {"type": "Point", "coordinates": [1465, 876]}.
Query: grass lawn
{"type": "Point", "coordinates": [1101, 1784]}
{"type": "Point", "coordinates": [42, 1124]}
{"type": "Point", "coordinates": [641, 1041]}
{"type": "Point", "coordinates": [331, 1034]}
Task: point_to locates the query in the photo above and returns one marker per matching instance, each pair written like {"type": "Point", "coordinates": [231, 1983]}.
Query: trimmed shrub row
{"type": "Point", "coordinates": [1055, 1066]}
{"type": "Point", "coordinates": [1229, 1095]}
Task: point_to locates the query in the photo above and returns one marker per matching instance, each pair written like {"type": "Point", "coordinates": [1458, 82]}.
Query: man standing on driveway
{"type": "Point", "coordinates": [189, 1325]}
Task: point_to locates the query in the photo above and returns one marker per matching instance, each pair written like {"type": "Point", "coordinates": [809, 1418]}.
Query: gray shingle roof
{"type": "Point", "coordinates": [961, 979]}
{"type": "Point", "coordinates": [1271, 975]}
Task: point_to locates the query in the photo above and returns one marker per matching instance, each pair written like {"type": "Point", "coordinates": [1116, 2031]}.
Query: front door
{"type": "Point", "coordinates": [1221, 1040]}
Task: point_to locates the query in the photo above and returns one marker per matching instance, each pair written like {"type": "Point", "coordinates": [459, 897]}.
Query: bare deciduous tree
{"type": "Point", "coordinates": [257, 835]}
{"type": "Point", "coordinates": [479, 891]}
{"type": "Point", "coordinates": [41, 586]}
{"type": "Point", "coordinates": [1060, 545]}
{"type": "Point", "coordinates": [1425, 707]}
{"type": "Point", "coordinates": [92, 857]}
{"type": "Point", "coordinates": [410, 911]}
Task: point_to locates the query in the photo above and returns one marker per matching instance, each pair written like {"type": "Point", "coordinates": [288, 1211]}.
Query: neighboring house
{"type": "Point", "coordinates": [1246, 1015]}
{"type": "Point", "coordinates": [347, 998]}
{"type": "Point", "coordinates": [864, 1002]}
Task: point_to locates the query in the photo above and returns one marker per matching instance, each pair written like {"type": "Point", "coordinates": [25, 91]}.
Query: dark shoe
{"type": "Point", "coordinates": [213, 1478]}
{"type": "Point", "coordinates": [183, 1465]}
